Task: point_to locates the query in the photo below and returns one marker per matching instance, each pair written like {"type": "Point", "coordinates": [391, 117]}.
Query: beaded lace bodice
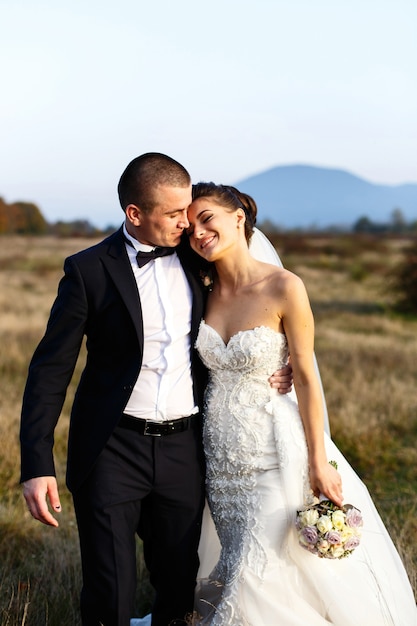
{"type": "Point", "coordinates": [238, 437]}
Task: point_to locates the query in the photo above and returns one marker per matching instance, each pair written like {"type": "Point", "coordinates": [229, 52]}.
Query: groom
{"type": "Point", "coordinates": [135, 459]}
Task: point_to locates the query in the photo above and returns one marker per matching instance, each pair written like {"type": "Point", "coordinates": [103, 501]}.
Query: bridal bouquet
{"type": "Point", "coordinates": [329, 531]}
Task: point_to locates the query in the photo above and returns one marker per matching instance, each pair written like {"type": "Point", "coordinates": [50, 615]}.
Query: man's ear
{"type": "Point", "coordinates": [134, 214]}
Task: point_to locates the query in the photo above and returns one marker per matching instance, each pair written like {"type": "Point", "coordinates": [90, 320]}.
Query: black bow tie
{"type": "Point", "coordinates": [144, 257]}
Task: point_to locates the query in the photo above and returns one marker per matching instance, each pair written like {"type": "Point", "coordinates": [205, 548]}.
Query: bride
{"type": "Point", "coordinates": [267, 456]}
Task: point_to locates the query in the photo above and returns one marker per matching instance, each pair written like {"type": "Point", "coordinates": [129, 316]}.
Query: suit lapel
{"type": "Point", "coordinates": [185, 256]}
{"type": "Point", "coordinates": [117, 263]}
{"type": "Point", "coordinates": [198, 303]}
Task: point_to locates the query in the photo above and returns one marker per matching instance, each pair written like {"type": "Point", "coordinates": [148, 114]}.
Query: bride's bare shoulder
{"type": "Point", "coordinates": [279, 273]}
{"type": "Point", "coordinates": [283, 280]}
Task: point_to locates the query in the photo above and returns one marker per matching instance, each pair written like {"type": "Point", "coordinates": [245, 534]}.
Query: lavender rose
{"type": "Point", "coordinates": [354, 518]}
{"type": "Point", "coordinates": [309, 535]}
{"type": "Point", "coordinates": [333, 537]}
{"type": "Point", "coordinates": [352, 543]}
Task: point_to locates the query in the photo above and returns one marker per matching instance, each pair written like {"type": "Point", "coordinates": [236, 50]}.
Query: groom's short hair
{"type": "Point", "coordinates": [144, 173]}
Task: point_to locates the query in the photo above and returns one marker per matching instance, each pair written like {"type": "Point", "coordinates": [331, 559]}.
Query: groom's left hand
{"type": "Point", "coordinates": [282, 379]}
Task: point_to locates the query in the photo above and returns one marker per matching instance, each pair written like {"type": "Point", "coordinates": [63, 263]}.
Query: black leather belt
{"type": "Point", "coordinates": [158, 429]}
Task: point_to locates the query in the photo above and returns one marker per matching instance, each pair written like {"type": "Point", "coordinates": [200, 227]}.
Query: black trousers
{"type": "Point", "coordinates": [153, 487]}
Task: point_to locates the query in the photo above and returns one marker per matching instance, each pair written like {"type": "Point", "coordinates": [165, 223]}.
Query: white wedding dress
{"type": "Point", "coordinates": [256, 459]}
{"type": "Point", "coordinates": [257, 479]}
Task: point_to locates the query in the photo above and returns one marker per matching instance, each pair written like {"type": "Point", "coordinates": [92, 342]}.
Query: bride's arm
{"type": "Point", "coordinates": [298, 325]}
{"type": "Point", "coordinates": [263, 250]}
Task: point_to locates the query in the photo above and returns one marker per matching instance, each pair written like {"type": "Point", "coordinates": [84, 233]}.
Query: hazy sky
{"type": "Point", "coordinates": [227, 87]}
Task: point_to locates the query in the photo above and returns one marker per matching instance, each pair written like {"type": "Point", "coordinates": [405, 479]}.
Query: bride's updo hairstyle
{"type": "Point", "coordinates": [230, 198]}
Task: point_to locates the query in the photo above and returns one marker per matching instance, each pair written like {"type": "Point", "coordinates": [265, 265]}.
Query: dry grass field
{"type": "Point", "coordinates": [367, 358]}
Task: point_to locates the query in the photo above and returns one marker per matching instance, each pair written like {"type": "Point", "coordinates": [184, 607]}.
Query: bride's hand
{"type": "Point", "coordinates": [325, 480]}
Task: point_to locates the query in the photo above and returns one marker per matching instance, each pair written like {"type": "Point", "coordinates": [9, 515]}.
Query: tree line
{"type": "Point", "coordinates": [25, 218]}
{"type": "Point", "coordinates": [397, 224]}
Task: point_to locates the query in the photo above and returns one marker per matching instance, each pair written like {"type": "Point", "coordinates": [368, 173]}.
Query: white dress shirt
{"type": "Point", "coordinates": [164, 388]}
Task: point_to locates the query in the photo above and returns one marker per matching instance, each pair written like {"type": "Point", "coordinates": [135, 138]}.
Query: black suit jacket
{"type": "Point", "coordinates": [97, 298]}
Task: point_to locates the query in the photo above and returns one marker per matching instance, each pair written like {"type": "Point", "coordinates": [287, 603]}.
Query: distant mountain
{"type": "Point", "coordinates": [305, 196]}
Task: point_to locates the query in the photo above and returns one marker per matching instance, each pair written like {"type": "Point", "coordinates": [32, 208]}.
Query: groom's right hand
{"type": "Point", "coordinates": [282, 379]}
{"type": "Point", "coordinates": [36, 491]}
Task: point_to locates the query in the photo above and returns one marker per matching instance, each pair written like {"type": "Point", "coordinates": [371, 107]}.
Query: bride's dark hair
{"type": "Point", "coordinates": [232, 199]}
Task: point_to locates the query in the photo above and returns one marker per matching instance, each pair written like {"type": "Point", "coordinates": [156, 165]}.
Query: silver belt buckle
{"type": "Point", "coordinates": [149, 434]}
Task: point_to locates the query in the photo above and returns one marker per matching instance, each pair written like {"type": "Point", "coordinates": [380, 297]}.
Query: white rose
{"type": "Point", "coordinates": [309, 517]}
{"type": "Point", "coordinates": [338, 519]}
{"type": "Point", "coordinates": [324, 524]}
{"type": "Point", "coordinates": [347, 533]}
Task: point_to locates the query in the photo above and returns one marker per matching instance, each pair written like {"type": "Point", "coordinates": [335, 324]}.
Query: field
{"type": "Point", "coordinates": [367, 359]}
